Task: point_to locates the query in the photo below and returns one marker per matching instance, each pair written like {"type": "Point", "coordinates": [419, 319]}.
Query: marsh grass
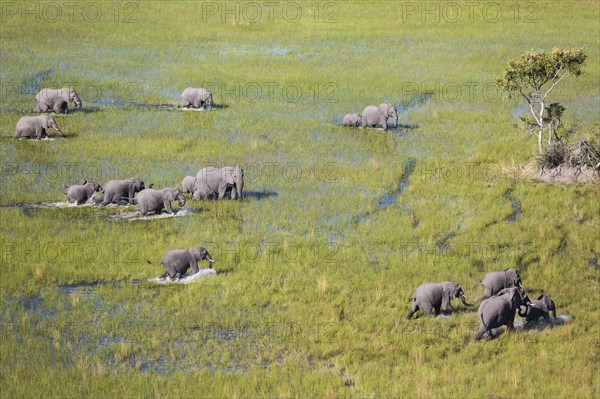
{"type": "Point", "coordinates": [314, 276]}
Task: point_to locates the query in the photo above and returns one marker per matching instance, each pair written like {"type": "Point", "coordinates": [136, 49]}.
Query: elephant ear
{"type": "Point", "coordinates": [169, 196]}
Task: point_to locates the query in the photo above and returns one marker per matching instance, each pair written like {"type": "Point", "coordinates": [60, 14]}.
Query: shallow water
{"type": "Point", "coordinates": [186, 279]}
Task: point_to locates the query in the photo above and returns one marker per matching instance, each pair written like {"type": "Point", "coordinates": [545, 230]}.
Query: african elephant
{"type": "Point", "coordinates": [81, 193]}
{"type": "Point", "coordinates": [56, 100]}
{"type": "Point", "coordinates": [117, 190]}
{"type": "Point", "coordinates": [495, 281]}
{"type": "Point", "coordinates": [30, 126]}
{"type": "Point", "coordinates": [211, 180]}
{"type": "Point", "coordinates": [353, 120]}
{"type": "Point", "coordinates": [197, 98]}
{"type": "Point", "coordinates": [540, 308]}
{"type": "Point", "coordinates": [188, 184]}
{"type": "Point", "coordinates": [177, 262]}
{"type": "Point", "coordinates": [500, 310]}
{"type": "Point", "coordinates": [436, 296]}
{"type": "Point", "coordinates": [151, 200]}
{"type": "Point", "coordinates": [373, 115]}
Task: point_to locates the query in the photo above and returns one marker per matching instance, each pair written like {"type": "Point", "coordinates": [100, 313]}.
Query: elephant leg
{"type": "Point", "coordinates": [167, 205]}
{"type": "Point", "coordinates": [39, 131]}
{"type": "Point", "coordinates": [383, 121]}
{"type": "Point", "coordinates": [163, 276]}
{"type": "Point", "coordinates": [222, 190]}
{"type": "Point", "coordinates": [197, 103]}
{"type": "Point", "coordinates": [436, 310]}
{"type": "Point", "coordinates": [413, 309]}
{"type": "Point", "coordinates": [186, 103]}
{"type": "Point", "coordinates": [427, 308]}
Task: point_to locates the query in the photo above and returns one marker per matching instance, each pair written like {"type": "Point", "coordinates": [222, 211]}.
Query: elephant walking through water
{"type": "Point", "coordinates": [177, 262]}
{"type": "Point", "coordinates": [151, 200]}
{"type": "Point", "coordinates": [211, 180]}
{"type": "Point", "coordinates": [35, 126]}
{"type": "Point", "coordinates": [56, 100]}
{"type": "Point", "coordinates": [373, 116]}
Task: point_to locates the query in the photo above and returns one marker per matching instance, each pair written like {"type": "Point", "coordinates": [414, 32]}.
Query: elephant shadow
{"type": "Point", "coordinates": [85, 110]}
{"type": "Point", "coordinates": [407, 126]}
{"type": "Point", "coordinates": [259, 195]}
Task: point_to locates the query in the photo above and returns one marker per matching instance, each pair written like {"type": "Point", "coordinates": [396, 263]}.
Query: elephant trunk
{"type": "Point", "coordinates": [396, 122]}
{"type": "Point", "coordinates": [210, 261]}
{"type": "Point", "coordinates": [464, 300]}
{"type": "Point", "coordinates": [181, 198]}
{"type": "Point", "coordinates": [523, 313]}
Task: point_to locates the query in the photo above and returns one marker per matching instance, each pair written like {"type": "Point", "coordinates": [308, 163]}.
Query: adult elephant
{"type": "Point", "coordinates": [436, 296]}
{"type": "Point", "coordinates": [177, 262]}
{"type": "Point", "coordinates": [56, 100]}
{"type": "Point", "coordinates": [188, 184]}
{"type": "Point", "coordinates": [118, 190]}
{"type": "Point", "coordinates": [500, 310]}
{"type": "Point", "coordinates": [81, 193]}
{"type": "Point", "coordinates": [495, 281]}
{"type": "Point", "coordinates": [373, 116]}
{"type": "Point", "coordinates": [211, 180]}
{"type": "Point", "coordinates": [151, 200]}
{"type": "Point", "coordinates": [352, 120]}
{"type": "Point", "coordinates": [197, 98]}
{"type": "Point", "coordinates": [35, 126]}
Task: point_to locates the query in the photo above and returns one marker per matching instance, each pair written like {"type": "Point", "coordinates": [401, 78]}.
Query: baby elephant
{"type": "Point", "coordinates": [35, 126]}
{"type": "Point", "coordinates": [495, 281]}
{"type": "Point", "coordinates": [540, 308]}
{"type": "Point", "coordinates": [151, 200]}
{"type": "Point", "coordinates": [436, 296]}
{"type": "Point", "coordinates": [500, 310]}
{"type": "Point", "coordinates": [81, 193]}
{"type": "Point", "coordinates": [188, 184]}
{"type": "Point", "coordinates": [178, 262]}
{"type": "Point", "coordinates": [353, 120]}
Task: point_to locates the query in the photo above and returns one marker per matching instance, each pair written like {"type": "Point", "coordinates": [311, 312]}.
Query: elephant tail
{"type": "Point", "coordinates": [150, 263]}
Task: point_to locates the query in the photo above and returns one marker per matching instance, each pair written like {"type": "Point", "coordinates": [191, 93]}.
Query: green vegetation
{"type": "Point", "coordinates": [317, 263]}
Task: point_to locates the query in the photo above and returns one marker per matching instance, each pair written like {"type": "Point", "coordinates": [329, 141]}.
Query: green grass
{"type": "Point", "coordinates": [314, 278]}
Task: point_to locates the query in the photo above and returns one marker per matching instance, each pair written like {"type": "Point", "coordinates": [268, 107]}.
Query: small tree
{"type": "Point", "coordinates": [531, 73]}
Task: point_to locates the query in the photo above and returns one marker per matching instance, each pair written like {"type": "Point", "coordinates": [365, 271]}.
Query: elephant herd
{"type": "Point", "coordinates": [56, 100]}
{"type": "Point", "coordinates": [372, 116]}
{"type": "Point", "coordinates": [209, 182]}
{"type": "Point", "coordinates": [503, 297]}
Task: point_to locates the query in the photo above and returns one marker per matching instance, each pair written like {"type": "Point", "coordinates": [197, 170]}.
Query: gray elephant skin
{"type": "Point", "coordinates": [118, 190]}
{"type": "Point", "coordinates": [373, 116]}
{"type": "Point", "coordinates": [540, 307]}
{"type": "Point", "coordinates": [188, 184]}
{"type": "Point", "coordinates": [353, 120]}
{"type": "Point", "coordinates": [197, 98]}
{"type": "Point", "coordinates": [35, 126]}
{"type": "Point", "coordinates": [56, 100]}
{"type": "Point", "coordinates": [211, 180]}
{"type": "Point", "coordinates": [500, 310]}
{"type": "Point", "coordinates": [81, 193]}
{"type": "Point", "coordinates": [495, 281]}
{"type": "Point", "coordinates": [177, 262]}
{"type": "Point", "coordinates": [436, 296]}
{"type": "Point", "coordinates": [151, 200]}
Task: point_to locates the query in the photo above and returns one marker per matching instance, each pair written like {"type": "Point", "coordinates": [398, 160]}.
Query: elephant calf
{"type": "Point", "coordinates": [436, 296]}
{"type": "Point", "coordinates": [151, 200]}
{"type": "Point", "coordinates": [540, 308]}
{"type": "Point", "coordinates": [352, 120]}
{"type": "Point", "coordinates": [118, 190]}
{"type": "Point", "coordinates": [177, 262]}
{"type": "Point", "coordinates": [500, 310]}
{"type": "Point", "coordinates": [81, 193]}
{"type": "Point", "coordinates": [495, 281]}
{"type": "Point", "coordinates": [35, 126]}
{"type": "Point", "coordinates": [187, 184]}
